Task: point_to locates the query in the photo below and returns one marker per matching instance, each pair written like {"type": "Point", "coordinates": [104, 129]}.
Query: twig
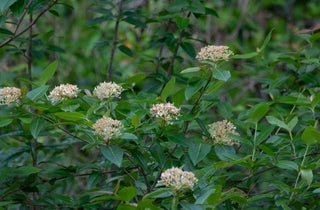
{"type": "Point", "coordinates": [175, 53]}
{"type": "Point", "coordinates": [114, 42]}
{"type": "Point", "coordinates": [161, 51]}
{"type": "Point", "coordinates": [22, 16]}
{"type": "Point", "coordinates": [29, 26]}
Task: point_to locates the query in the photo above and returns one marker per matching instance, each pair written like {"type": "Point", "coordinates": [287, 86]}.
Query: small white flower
{"type": "Point", "coordinates": [63, 92]}
{"type": "Point", "coordinates": [107, 128]}
{"type": "Point", "coordinates": [107, 90]}
{"type": "Point", "coordinates": [9, 95]}
{"type": "Point", "coordinates": [214, 53]}
{"type": "Point", "coordinates": [219, 133]}
{"type": "Point", "coordinates": [177, 179]}
{"type": "Point", "coordinates": [167, 112]}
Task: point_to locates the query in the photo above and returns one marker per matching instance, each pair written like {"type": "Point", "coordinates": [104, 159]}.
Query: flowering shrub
{"type": "Point", "coordinates": [231, 131]}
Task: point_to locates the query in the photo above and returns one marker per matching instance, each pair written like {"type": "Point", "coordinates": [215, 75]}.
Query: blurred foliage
{"type": "Point", "coordinates": [49, 157]}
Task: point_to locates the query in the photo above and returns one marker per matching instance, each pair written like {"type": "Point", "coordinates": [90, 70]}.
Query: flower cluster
{"type": "Point", "coordinates": [9, 95]}
{"type": "Point", "coordinates": [107, 128]}
{"type": "Point", "coordinates": [219, 133]}
{"type": "Point", "coordinates": [177, 179]}
{"type": "Point", "coordinates": [106, 90]}
{"type": "Point", "coordinates": [214, 53]}
{"type": "Point", "coordinates": [167, 112]}
{"type": "Point", "coordinates": [62, 92]}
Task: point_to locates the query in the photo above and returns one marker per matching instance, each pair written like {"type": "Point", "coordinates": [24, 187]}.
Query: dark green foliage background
{"type": "Point", "coordinates": [49, 157]}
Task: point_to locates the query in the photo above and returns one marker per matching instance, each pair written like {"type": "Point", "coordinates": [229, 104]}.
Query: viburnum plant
{"type": "Point", "coordinates": [115, 147]}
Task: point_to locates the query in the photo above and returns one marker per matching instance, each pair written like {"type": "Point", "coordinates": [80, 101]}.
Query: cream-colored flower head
{"type": "Point", "coordinates": [214, 53]}
{"type": "Point", "coordinates": [219, 133]}
{"type": "Point", "coordinates": [107, 128]}
{"type": "Point", "coordinates": [167, 112]}
{"type": "Point", "coordinates": [107, 90]}
{"type": "Point", "coordinates": [9, 95]}
{"type": "Point", "coordinates": [63, 92]}
{"type": "Point", "coordinates": [177, 179]}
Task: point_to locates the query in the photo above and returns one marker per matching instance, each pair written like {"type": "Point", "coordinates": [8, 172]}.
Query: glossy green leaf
{"type": "Point", "coordinates": [127, 193]}
{"type": "Point", "coordinates": [178, 138]}
{"type": "Point", "coordinates": [275, 121]}
{"type": "Point", "coordinates": [246, 56]}
{"type": "Point", "coordinates": [36, 126]}
{"type": "Point", "coordinates": [37, 93]}
{"type": "Point", "coordinates": [198, 152]}
{"type": "Point", "coordinates": [293, 122]}
{"type": "Point", "coordinates": [48, 73]}
{"type": "Point", "coordinates": [177, 5]}
{"type": "Point", "coordinates": [310, 135]}
{"type": "Point", "coordinates": [190, 70]}
{"type": "Point", "coordinates": [70, 116]}
{"type": "Point", "coordinates": [135, 120]}
{"type": "Point", "coordinates": [307, 175]}
{"type": "Point", "coordinates": [26, 170]}
{"type": "Point", "coordinates": [114, 154]}
{"type": "Point", "coordinates": [168, 89]}
{"type": "Point", "coordinates": [196, 6]}
{"type": "Point", "coordinates": [264, 133]}
{"type": "Point", "coordinates": [189, 49]}
{"type": "Point", "coordinates": [266, 41]}
{"type": "Point", "coordinates": [5, 4]}
{"type": "Point", "coordinates": [181, 22]}
{"type": "Point", "coordinates": [5, 121]}
{"type": "Point", "coordinates": [159, 193]}
{"type": "Point", "coordinates": [288, 165]}
{"type": "Point", "coordinates": [258, 111]}
{"type": "Point", "coordinates": [126, 50]}
{"type": "Point", "coordinates": [220, 74]}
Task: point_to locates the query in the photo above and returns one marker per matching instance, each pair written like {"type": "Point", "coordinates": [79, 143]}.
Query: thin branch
{"type": "Point", "coordinates": [175, 53]}
{"type": "Point", "coordinates": [29, 26]}
{"type": "Point", "coordinates": [114, 42]}
{"type": "Point", "coordinates": [22, 16]}
{"type": "Point", "coordinates": [161, 50]}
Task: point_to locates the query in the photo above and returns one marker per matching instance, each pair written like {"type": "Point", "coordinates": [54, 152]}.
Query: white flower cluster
{"type": "Point", "coordinates": [106, 90]}
{"type": "Point", "coordinates": [62, 92]}
{"type": "Point", "coordinates": [107, 128]}
{"type": "Point", "coordinates": [219, 133]}
{"type": "Point", "coordinates": [9, 95]}
{"type": "Point", "coordinates": [177, 179]}
{"type": "Point", "coordinates": [167, 112]}
{"type": "Point", "coordinates": [214, 53]}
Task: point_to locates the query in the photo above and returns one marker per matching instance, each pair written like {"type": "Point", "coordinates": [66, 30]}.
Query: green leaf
{"type": "Point", "coordinates": [160, 193]}
{"type": "Point", "coordinates": [246, 56]}
{"type": "Point", "coordinates": [6, 31]}
{"type": "Point", "coordinates": [178, 138]}
{"type": "Point", "coordinates": [258, 111]}
{"type": "Point", "coordinates": [5, 121]}
{"type": "Point", "coordinates": [178, 98]}
{"type": "Point", "coordinates": [127, 193]}
{"type": "Point", "coordinates": [125, 50]}
{"type": "Point", "coordinates": [220, 74]}
{"type": "Point", "coordinates": [310, 135]}
{"type": "Point", "coordinates": [189, 49]}
{"type": "Point", "coordinates": [135, 79]}
{"type": "Point", "coordinates": [287, 164]}
{"type": "Point", "coordinates": [181, 22]}
{"type": "Point", "coordinates": [202, 126]}
{"type": "Point", "coordinates": [135, 120]}
{"type": "Point", "coordinates": [265, 132]}
{"type": "Point", "coordinates": [190, 70]}
{"type": "Point", "coordinates": [275, 121]}
{"type": "Point", "coordinates": [197, 7]}
{"type": "Point", "coordinates": [113, 153]}
{"type": "Point", "coordinates": [177, 5]}
{"type": "Point", "coordinates": [48, 73]}
{"type": "Point", "coordinates": [193, 89]}
{"type": "Point", "coordinates": [293, 123]}
{"type": "Point", "coordinates": [26, 170]}
{"type": "Point", "coordinates": [5, 4]}
{"type": "Point", "coordinates": [70, 107]}
{"type": "Point", "coordinates": [225, 152]}
{"type": "Point", "coordinates": [36, 126]}
{"type": "Point", "coordinates": [168, 89]}
{"type": "Point", "coordinates": [266, 41]}
{"type": "Point", "coordinates": [307, 175]}
{"type": "Point", "coordinates": [37, 93]}
{"type": "Point", "coordinates": [70, 116]}
{"type": "Point", "coordinates": [198, 152]}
